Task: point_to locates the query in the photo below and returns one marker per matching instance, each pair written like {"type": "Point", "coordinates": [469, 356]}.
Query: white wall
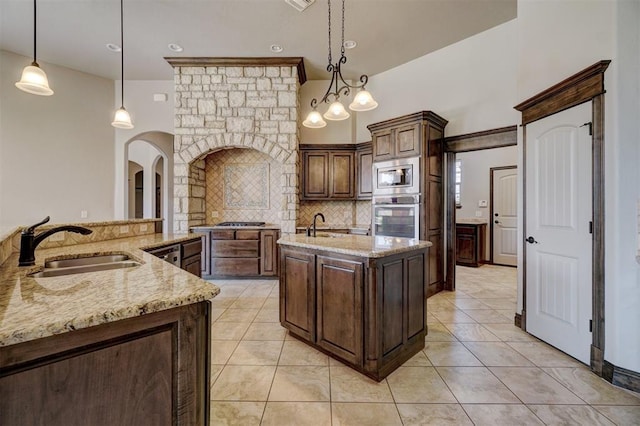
{"type": "Point", "coordinates": [56, 152]}
{"type": "Point", "coordinates": [556, 40]}
{"type": "Point", "coordinates": [475, 184]}
{"type": "Point", "coordinates": [471, 83]}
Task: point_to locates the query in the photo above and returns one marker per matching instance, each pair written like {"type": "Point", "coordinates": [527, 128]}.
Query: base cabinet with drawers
{"type": "Point", "coordinates": [186, 255]}
{"type": "Point", "coordinates": [470, 244]}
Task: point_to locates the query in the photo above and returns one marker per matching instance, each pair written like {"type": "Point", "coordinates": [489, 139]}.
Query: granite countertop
{"type": "Point", "coordinates": [209, 227]}
{"type": "Point", "coordinates": [356, 245]}
{"type": "Point", "coordinates": [31, 308]}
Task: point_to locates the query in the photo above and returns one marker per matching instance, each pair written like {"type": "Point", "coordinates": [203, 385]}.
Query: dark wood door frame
{"type": "Point", "coordinates": [488, 139]}
{"type": "Point", "coordinates": [491, 219]}
{"type": "Point", "coordinates": [585, 86]}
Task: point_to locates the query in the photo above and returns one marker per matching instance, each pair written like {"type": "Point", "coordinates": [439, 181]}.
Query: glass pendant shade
{"type": "Point", "coordinates": [336, 112]}
{"type": "Point", "coordinates": [363, 102]}
{"type": "Point", "coordinates": [34, 81]}
{"type": "Point", "coordinates": [314, 120]}
{"type": "Point", "coordinates": [122, 119]}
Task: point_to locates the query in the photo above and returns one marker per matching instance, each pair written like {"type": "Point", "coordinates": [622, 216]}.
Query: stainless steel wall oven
{"type": "Point", "coordinates": [396, 216]}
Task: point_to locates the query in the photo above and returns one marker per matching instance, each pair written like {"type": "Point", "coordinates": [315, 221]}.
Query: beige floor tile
{"type": "Point", "coordinates": [300, 383]}
{"type": "Point", "coordinates": [497, 414]}
{"type": "Point", "coordinates": [450, 354]}
{"type": "Point", "coordinates": [556, 415]}
{"type": "Point", "coordinates": [265, 331]}
{"type": "Point", "coordinates": [228, 330]}
{"type": "Point", "coordinates": [471, 333]}
{"type": "Point", "coordinates": [437, 332]}
{"type": "Point", "coordinates": [433, 414]}
{"type": "Point", "coordinates": [355, 413]}
{"type": "Point", "coordinates": [238, 315]}
{"type": "Point", "coordinates": [508, 313]}
{"type": "Point", "coordinates": [297, 413]}
{"type": "Point", "coordinates": [249, 302]}
{"type": "Point", "coordinates": [418, 360]}
{"type": "Point", "coordinates": [431, 319]}
{"type": "Point", "coordinates": [469, 303]}
{"type": "Point", "coordinates": [231, 290]}
{"type": "Point", "coordinates": [223, 302]}
{"type": "Point", "coordinates": [476, 385]}
{"type": "Point", "coordinates": [251, 352]}
{"type": "Point", "coordinates": [499, 304]}
{"type": "Point", "coordinates": [271, 303]}
{"type": "Point", "coordinates": [221, 350]}
{"type": "Point", "coordinates": [592, 388]}
{"type": "Point", "coordinates": [510, 333]}
{"type": "Point", "coordinates": [419, 385]}
{"type": "Point", "coordinates": [347, 385]}
{"type": "Point", "coordinates": [215, 372]}
{"type": "Point", "coordinates": [258, 289]}
{"type": "Point", "coordinates": [497, 354]}
{"type": "Point", "coordinates": [621, 415]}
{"type": "Point", "coordinates": [543, 355]}
{"type": "Point", "coordinates": [294, 352]}
{"type": "Point", "coordinates": [243, 383]}
{"type": "Point", "coordinates": [533, 386]}
{"type": "Point", "coordinates": [216, 313]}
{"type": "Point", "coordinates": [268, 315]}
{"type": "Point", "coordinates": [452, 316]}
{"type": "Point", "coordinates": [488, 316]}
{"type": "Point", "coordinates": [236, 413]}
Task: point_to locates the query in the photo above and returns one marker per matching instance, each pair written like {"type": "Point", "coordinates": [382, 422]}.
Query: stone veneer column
{"type": "Point", "coordinates": [219, 106]}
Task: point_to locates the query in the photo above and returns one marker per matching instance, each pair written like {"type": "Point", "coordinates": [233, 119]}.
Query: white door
{"type": "Point", "coordinates": [559, 242]}
{"type": "Point", "coordinates": [505, 216]}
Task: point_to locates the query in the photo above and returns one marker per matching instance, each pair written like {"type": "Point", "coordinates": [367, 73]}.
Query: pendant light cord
{"type": "Point", "coordinates": [35, 62]}
{"type": "Point", "coordinates": [122, 53]}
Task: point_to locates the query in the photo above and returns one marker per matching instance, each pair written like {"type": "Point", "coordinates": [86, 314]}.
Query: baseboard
{"type": "Point", "coordinates": [622, 377]}
{"type": "Point", "coordinates": [597, 360]}
{"type": "Point", "coordinates": [517, 320]}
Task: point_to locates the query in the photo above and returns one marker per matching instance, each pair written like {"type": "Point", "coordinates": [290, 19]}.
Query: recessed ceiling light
{"type": "Point", "coordinates": [175, 47]}
{"type": "Point", "coordinates": [113, 47]}
{"type": "Point", "coordinates": [276, 48]}
{"type": "Point", "coordinates": [350, 44]}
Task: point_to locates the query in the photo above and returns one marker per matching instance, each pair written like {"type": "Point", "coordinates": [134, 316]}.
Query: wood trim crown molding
{"type": "Point", "coordinates": [410, 118]}
{"type": "Point", "coordinates": [486, 139]}
{"type": "Point", "coordinates": [296, 61]}
{"type": "Point", "coordinates": [579, 88]}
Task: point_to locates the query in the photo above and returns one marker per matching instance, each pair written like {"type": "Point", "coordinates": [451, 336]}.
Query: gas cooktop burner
{"type": "Point", "coordinates": [240, 224]}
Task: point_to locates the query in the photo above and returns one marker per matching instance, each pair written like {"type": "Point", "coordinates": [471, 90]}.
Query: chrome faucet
{"type": "Point", "coordinates": [315, 216]}
{"type": "Point", "coordinates": [29, 242]}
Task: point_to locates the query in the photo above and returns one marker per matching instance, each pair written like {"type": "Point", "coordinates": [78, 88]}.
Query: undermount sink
{"type": "Point", "coordinates": [83, 264]}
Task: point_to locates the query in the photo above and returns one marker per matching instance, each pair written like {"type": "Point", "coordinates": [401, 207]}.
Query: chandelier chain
{"type": "Point", "coordinates": [329, 26]}
{"type": "Point", "coordinates": [35, 12]}
{"type": "Point", "coordinates": [342, 41]}
{"type": "Point", "coordinates": [122, 51]}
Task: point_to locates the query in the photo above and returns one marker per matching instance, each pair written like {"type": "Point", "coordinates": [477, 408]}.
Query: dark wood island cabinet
{"type": "Point", "coordinates": [359, 299]}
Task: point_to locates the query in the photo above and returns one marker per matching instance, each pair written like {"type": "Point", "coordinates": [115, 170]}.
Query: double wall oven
{"type": "Point", "coordinates": [396, 198]}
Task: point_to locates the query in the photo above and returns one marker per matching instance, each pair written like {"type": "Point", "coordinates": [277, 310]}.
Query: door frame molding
{"type": "Point", "coordinates": [486, 139]}
{"type": "Point", "coordinates": [584, 86]}
{"type": "Point", "coordinates": [491, 170]}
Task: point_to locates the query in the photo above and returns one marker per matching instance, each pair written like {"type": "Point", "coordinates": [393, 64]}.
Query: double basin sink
{"type": "Point", "coordinates": [82, 264]}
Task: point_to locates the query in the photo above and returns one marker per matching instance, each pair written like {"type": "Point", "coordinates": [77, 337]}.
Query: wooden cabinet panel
{"type": "Point", "coordinates": [364, 177]}
{"type": "Point", "coordinates": [218, 234]}
{"type": "Point", "coordinates": [341, 175]}
{"type": "Point", "coordinates": [328, 173]}
{"type": "Point", "coordinates": [193, 265]}
{"type": "Point", "coordinates": [407, 143]}
{"type": "Point", "coordinates": [247, 234]}
{"type": "Point", "coordinates": [298, 293]}
{"type": "Point", "coordinates": [315, 169]}
{"type": "Point", "coordinates": [393, 307]}
{"type": "Point", "coordinates": [470, 244]}
{"type": "Point", "coordinates": [339, 295]}
{"type": "Point", "coordinates": [436, 267]}
{"type": "Point", "coordinates": [435, 206]}
{"type": "Point", "coordinates": [436, 151]}
{"type": "Point", "coordinates": [191, 248]}
{"type": "Point", "coordinates": [234, 248]}
{"type": "Point", "coordinates": [382, 145]}
{"type": "Point", "coordinates": [235, 267]}
{"type": "Point", "coordinates": [269, 253]}
{"type": "Point", "coordinates": [416, 295]}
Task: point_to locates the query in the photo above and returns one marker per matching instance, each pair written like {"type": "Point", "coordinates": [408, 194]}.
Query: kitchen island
{"type": "Point", "coordinates": [360, 299]}
{"type": "Point", "coordinates": [121, 346]}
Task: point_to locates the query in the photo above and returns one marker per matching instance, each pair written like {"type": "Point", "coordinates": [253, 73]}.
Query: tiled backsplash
{"type": "Point", "coordinates": [102, 231]}
{"type": "Point", "coordinates": [336, 212]}
{"type": "Point", "coordinates": [242, 185]}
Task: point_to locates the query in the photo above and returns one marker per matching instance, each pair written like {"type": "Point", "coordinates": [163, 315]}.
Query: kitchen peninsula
{"type": "Point", "coordinates": [357, 298]}
{"type": "Point", "coordinates": [126, 346]}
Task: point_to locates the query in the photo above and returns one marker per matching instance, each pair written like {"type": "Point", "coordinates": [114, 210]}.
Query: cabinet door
{"type": "Point", "coordinates": [364, 163]}
{"type": "Point", "coordinates": [193, 265]}
{"type": "Point", "coordinates": [268, 253]}
{"type": "Point", "coordinates": [339, 307]}
{"type": "Point", "coordinates": [298, 293]}
{"type": "Point", "coordinates": [466, 245]}
{"type": "Point", "coordinates": [407, 141]}
{"type": "Point", "coordinates": [341, 175]}
{"type": "Point", "coordinates": [315, 175]}
{"type": "Point", "coordinates": [382, 145]}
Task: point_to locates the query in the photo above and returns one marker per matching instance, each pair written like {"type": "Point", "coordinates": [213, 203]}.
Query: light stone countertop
{"type": "Point", "coordinates": [266, 226]}
{"type": "Point", "coordinates": [31, 308]}
{"type": "Point", "coordinates": [471, 221]}
{"type": "Point", "coordinates": [355, 245]}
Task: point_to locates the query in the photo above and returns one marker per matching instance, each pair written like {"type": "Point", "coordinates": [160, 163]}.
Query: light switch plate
{"type": "Point", "coordinates": [478, 213]}
{"type": "Point", "coordinates": [482, 203]}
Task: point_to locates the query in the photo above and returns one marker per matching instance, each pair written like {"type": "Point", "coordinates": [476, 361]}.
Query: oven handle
{"type": "Point", "coordinates": [400, 199]}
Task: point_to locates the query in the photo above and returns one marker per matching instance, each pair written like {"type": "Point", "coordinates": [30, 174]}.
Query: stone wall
{"type": "Point", "coordinates": [218, 107]}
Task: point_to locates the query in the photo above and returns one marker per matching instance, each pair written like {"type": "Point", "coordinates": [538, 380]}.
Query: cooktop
{"type": "Point", "coordinates": [240, 224]}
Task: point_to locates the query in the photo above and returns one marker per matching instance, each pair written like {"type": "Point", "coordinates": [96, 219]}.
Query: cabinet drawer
{"type": "Point", "coordinates": [465, 230]}
{"type": "Point", "coordinates": [234, 248]}
{"type": "Point", "coordinates": [234, 267]}
{"type": "Point", "coordinates": [222, 235]}
{"type": "Point", "coordinates": [191, 248]}
{"type": "Point", "coordinates": [247, 235]}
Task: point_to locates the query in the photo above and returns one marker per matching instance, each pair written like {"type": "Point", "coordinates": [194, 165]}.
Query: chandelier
{"type": "Point", "coordinates": [363, 100]}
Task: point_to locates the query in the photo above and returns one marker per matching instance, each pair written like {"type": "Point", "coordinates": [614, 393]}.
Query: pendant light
{"type": "Point", "coordinates": [122, 120]}
{"type": "Point", "coordinates": [363, 101]}
{"type": "Point", "coordinates": [34, 80]}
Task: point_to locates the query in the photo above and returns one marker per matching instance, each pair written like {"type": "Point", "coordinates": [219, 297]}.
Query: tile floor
{"type": "Point", "coordinates": [476, 368]}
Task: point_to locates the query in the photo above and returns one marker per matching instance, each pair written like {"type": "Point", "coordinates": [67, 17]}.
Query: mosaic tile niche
{"type": "Point", "coordinates": [242, 185]}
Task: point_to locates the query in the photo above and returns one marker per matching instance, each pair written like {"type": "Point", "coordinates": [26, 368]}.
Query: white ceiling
{"type": "Point", "coordinates": [73, 33]}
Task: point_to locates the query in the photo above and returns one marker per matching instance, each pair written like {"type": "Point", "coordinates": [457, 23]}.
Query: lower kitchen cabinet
{"type": "Point", "coordinates": [186, 255]}
{"type": "Point", "coordinates": [470, 244]}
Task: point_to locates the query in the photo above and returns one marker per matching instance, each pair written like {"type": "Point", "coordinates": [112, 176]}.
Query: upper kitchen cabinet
{"type": "Point", "coordinates": [364, 163]}
{"type": "Point", "coordinates": [404, 136]}
{"type": "Point", "coordinates": [328, 172]}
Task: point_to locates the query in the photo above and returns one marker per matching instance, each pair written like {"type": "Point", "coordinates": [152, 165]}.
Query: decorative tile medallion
{"type": "Point", "coordinates": [246, 186]}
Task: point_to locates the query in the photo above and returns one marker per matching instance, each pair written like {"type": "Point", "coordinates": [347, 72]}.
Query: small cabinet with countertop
{"type": "Point", "coordinates": [470, 242]}
{"type": "Point", "coordinates": [360, 299]}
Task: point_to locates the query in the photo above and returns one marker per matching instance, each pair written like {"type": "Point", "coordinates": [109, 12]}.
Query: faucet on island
{"type": "Point", "coordinates": [29, 242]}
{"type": "Point", "coordinates": [315, 216]}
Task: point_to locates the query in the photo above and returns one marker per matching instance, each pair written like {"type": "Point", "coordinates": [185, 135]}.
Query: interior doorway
{"type": "Point", "coordinates": [503, 225]}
